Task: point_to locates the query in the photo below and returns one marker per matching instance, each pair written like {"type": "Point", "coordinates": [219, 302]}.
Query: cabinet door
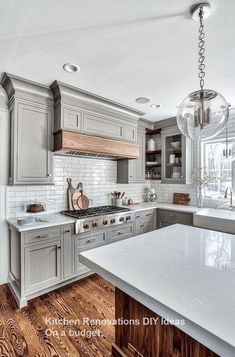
{"type": "Point", "coordinates": [42, 267]}
{"type": "Point", "coordinates": [84, 242]}
{"type": "Point", "coordinates": [103, 126]}
{"type": "Point", "coordinates": [130, 132]}
{"type": "Point", "coordinates": [137, 166]}
{"type": "Point", "coordinates": [133, 171]}
{"type": "Point", "coordinates": [176, 156]}
{"type": "Point", "coordinates": [33, 154]}
{"type": "Point", "coordinates": [72, 119]}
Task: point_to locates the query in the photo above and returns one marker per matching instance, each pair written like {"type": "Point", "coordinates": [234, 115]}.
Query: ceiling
{"type": "Point", "coordinates": [125, 48]}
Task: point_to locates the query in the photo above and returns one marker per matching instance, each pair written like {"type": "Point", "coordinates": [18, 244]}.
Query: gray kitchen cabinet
{"type": "Point", "coordinates": [88, 113]}
{"type": "Point", "coordinates": [145, 221]}
{"type": "Point", "coordinates": [31, 130]}
{"type": "Point", "coordinates": [84, 242]}
{"type": "Point", "coordinates": [40, 260]}
{"type": "Point", "coordinates": [42, 266]}
{"type": "Point", "coordinates": [120, 232]}
{"type": "Point", "coordinates": [133, 171]}
{"type": "Point", "coordinates": [176, 156]}
{"type": "Point", "coordinates": [166, 218]}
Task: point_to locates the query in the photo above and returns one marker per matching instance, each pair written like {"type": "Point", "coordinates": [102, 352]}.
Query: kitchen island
{"type": "Point", "coordinates": [178, 285]}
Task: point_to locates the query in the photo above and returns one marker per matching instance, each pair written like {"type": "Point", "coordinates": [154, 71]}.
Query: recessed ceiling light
{"type": "Point", "coordinates": [142, 100]}
{"type": "Point", "coordinates": [155, 105]}
{"type": "Point", "coordinates": [71, 67]}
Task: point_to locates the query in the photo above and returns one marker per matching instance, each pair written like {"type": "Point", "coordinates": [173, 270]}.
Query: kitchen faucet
{"type": "Point", "coordinates": [231, 195]}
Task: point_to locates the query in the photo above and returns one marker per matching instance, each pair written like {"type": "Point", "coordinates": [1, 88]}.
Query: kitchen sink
{"type": "Point", "coordinates": [216, 219]}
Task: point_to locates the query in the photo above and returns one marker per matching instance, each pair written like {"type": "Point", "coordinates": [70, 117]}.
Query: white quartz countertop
{"type": "Point", "coordinates": [49, 220]}
{"type": "Point", "coordinates": [178, 272]}
{"type": "Point", "coordinates": [170, 206]}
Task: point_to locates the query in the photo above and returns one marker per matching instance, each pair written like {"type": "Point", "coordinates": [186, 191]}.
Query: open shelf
{"type": "Point", "coordinates": [153, 152]}
{"type": "Point", "coordinates": [174, 151]}
{"type": "Point", "coordinates": [153, 165]}
{"type": "Point", "coordinates": [153, 131]}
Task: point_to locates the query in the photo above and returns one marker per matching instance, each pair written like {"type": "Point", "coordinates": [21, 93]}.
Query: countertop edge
{"type": "Point", "coordinates": [199, 333]}
{"type": "Point", "coordinates": [40, 225]}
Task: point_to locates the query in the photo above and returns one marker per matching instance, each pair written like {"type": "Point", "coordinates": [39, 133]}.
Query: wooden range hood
{"type": "Point", "coordinates": [73, 143]}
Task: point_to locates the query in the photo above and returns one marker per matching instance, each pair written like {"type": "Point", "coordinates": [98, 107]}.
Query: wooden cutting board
{"type": "Point", "coordinates": [83, 201]}
{"type": "Point", "coordinates": [181, 198]}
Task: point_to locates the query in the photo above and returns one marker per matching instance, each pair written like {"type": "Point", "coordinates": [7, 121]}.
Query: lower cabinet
{"type": "Point", "coordinates": [40, 260]}
{"type": "Point", "coordinates": [145, 221]}
{"type": "Point", "coordinates": [84, 242]}
{"type": "Point", "coordinates": [47, 258]}
{"type": "Point", "coordinates": [166, 218]}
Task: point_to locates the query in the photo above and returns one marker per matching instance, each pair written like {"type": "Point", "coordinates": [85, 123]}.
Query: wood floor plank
{"type": "Point", "coordinates": [23, 332]}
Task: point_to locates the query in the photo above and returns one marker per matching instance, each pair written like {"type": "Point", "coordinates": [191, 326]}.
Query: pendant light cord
{"type": "Point", "coordinates": [201, 47]}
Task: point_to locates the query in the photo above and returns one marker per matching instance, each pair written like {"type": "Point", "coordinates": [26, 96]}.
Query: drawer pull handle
{"type": "Point", "coordinates": [59, 247]}
{"type": "Point", "coordinates": [148, 214]}
{"type": "Point", "coordinates": [172, 215]}
{"type": "Point", "coordinates": [90, 240]}
{"type": "Point", "coordinates": [120, 233]}
{"type": "Point", "coordinates": [137, 216]}
{"type": "Point", "coordinates": [68, 231]}
{"type": "Point", "coordinates": [142, 225]}
{"type": "Point", "coordinates": [43, 236]}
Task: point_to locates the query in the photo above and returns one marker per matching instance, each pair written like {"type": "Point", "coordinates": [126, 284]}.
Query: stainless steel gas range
{"type": "Point", "coordinates": [99, 217]}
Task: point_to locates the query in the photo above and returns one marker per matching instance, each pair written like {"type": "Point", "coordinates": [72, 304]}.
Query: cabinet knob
{"type": "Point", "coordinates": [49, 175]}
{"type": "Point", "coordinates": [59, 247]}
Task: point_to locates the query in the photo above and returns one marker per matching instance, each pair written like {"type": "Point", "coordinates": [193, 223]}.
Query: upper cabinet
{"type": "Point", "coordinates": [176, 156]}
{"type": "Point", "coordinates": [132, 171]}
{"type": "Point", "coordinates": [78, 110]}
{"type": "Point", "coordinates": [31, 129]}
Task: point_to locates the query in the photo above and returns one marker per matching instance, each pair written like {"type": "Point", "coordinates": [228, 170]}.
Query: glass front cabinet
{"type": "Point", "coordinates": [176, 156]}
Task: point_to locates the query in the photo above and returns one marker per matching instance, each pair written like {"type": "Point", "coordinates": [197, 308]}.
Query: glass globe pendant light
{"type": "Point", "coordinates": [203, 114]}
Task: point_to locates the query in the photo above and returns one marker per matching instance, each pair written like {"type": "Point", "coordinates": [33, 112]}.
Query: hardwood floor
{"type": "Point", "coordinates": [27, 332]}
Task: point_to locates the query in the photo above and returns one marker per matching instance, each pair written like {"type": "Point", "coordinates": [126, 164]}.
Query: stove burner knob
{"type": "Point", "coordinates": [112, 220]}
{"type": "Point", "coordinates": [94, 224]}
{"type": "Point", "coordinates": [121, 219]}
{"type": "Point", "coordinates": [105, 222]}
{"type": "Point", "coordinates": [86, 226]}
{"type": "Point", "coordinates": [128, 218]}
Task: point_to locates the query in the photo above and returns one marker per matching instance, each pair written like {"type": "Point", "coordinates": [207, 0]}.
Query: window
{"type": "Point", "coordinates": [215, 162]}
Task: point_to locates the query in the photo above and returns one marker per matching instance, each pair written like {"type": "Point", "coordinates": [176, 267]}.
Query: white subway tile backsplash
{"type": "Point", "coordinates": [99, 180]}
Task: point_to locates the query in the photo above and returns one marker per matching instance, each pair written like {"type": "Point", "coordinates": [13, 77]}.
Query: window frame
{"type": "Point", "coordinates": [202, 160]}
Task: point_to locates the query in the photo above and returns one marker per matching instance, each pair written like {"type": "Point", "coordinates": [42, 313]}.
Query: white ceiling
{"type": "Point", "coordinates": [125, 48]}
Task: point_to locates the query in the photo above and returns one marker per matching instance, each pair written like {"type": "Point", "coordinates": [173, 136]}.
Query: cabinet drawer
{"type": "Point", "coordinates": [120, 232]}
{"type": "Point", "coordinates": [146, 215]}
{"type": "Point", "coordinates": [42, 234]}
{"type": "Point", "coordinates": [175, 217]}
{"type": "Point", "coordinates": [89, 240]}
